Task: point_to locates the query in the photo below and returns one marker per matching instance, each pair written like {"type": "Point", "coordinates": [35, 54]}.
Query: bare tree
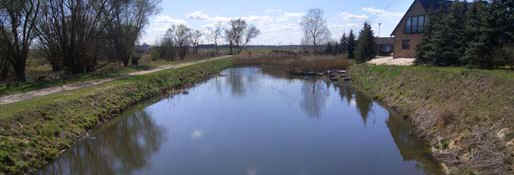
{"type": "Point", "coordinates": [215, 35]}
{"type": "Point", "coordinates": [126, 19]}
{"type": "Point", "coordinates": [315, 28]}
{"type": "Point", "coordinates": [75, 34]}
{"type": "Point", "coordinates": [181, 38]}
{"type": "Point", "coordinates": [195, 40]}
{"type": "Point", "coordinates": [18, 20]}
{"type": "Point", "coordinates": [71, 32]}
{"type": "Point", "coordinates": [250, 34]}
{"type": "Point", "coordinates": [167, 49]}
{"type": "Point", "coordinates": [4, 62]}
{"type": "Point", "coordinates": [234, 34]}
{"type": "Point", "coordinates": [238, 35]}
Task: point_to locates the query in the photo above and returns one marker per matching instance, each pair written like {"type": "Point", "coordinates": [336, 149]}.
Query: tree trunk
{"type": "Point", "coordinates": [19, 69]}
{"type": "Point", "coordinates": [216, 46]}
{"type": "Point", "coordinates": [125, 61]}
{"type": "Point", "coordinates": [231, 48]}
{"type": "Point", "coordinates": [5, 73]}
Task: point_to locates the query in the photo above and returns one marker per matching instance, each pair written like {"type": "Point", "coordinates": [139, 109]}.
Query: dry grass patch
{"type": "Point", "coordinates": [294, 63]}
{"type": "Point", "coordinates": [458, 111]}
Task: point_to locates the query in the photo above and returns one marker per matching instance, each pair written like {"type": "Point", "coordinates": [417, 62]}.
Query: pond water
{"type": "Point", "coordinates": [246, 122]}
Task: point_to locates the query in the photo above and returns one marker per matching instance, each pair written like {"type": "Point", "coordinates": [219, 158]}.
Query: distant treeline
{"type": "Point", "coordinates": [478, 34]}
{"type": "Point", "coordinates": [179, 38]}
{"type": "Point", "coordinates": [73, 35]}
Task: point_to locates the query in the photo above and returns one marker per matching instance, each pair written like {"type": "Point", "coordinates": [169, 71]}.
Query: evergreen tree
{"type": "Point", "coordinates": [351, 45]}
{"type": "Point", "coordinates": [425, 52]}
{"type": "Point", "coordinates": [477, 46]}
{"type": "Point", "coordinates": [481, 35]}
{"type": "Point", "coordinates": [367, 47]}
{"type": "Point", "coordinates": [501, 31]}
{"type": "Point", "coordinates": [343, 44]}
{"type": "Point", "coordinates": [337, 46]}
{"type": "Point", "coordinates": [329, 48]}
{"type": "Point", "coordinates": [447, 36]}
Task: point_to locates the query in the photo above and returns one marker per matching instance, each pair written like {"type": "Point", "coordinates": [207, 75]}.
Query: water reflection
{"type": "Point", "coordinates": [410, 148]}
{"type": "Point", "coordinates": [314, 97]}
{"type": "Point", "coordinates": [121, 149]}
{"type": "Point", "coordinates": [236, 82]}
{"type": "Point", "coordinates": [357, 99]}
{"type": "Point", "coordinates": [364, 105]}
{"type": "Point", "coordinates": [249, 122]}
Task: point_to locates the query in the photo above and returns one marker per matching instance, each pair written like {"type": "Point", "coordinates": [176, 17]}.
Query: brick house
{"type": "Point", "coordinates": [409, 31]}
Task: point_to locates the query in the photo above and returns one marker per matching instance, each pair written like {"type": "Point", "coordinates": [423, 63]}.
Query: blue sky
{"type": "Point", "coordinates": [278, 20]}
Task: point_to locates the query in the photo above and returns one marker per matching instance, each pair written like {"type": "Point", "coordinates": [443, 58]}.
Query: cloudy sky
{"type": "Point", "coordinates": [278, 20]}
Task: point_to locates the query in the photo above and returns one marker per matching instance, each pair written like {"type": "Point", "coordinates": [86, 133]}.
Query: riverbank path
{"type": "Point", "coordinates": [73, 86]}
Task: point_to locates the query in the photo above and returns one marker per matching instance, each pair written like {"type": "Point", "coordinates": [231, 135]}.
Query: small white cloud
{"type": "Point", "coordinates": [351, 16]}
{"type": "Point", "coordinates": [218, 19]}
{"type": "Point", "coordinates": [387, 19]}
{"type": "Point", "coordinates": [198, 15]}
{"type": "Point", "coordinates": [255, 19]}
{"type": "Point", "coordinates": [381, 12]}
{"type": "Point", "coordinates": [197, 134]}
{"type": "Point", "coordinates": [167, 19]}
{"type": "Point", "coordinates": [293, 14]}
{"type": "Point", "coordinates": [273, 11]}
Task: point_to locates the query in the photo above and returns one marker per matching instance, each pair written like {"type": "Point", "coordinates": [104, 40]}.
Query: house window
{"type": "Point", "coordinates": [415, 24]}
{"type": "Point", "coordinates": [408, 25]}
{"type": "Point", "coordinates": [405, 44]}
{"type": "Point", "coordinates": [421, 24]}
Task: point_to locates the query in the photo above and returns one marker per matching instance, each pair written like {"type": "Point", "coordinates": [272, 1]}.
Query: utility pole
{"type": "Point", "coordinates": [379, 27]}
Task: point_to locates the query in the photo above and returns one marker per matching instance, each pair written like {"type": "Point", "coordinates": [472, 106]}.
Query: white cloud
{"type": "Point", "coordinates": [196, 134]}
{"type": "Point", "coordinates": [278, 26]}
{"type": "Point", "coordinates": [387, 19]}
{"type": "Point", "coordinates": [198, 15]}
{"type": "Point", "coordinates": [381, 12]}
{"type": "Point", "coordinates": [350, 16]}
{"type": "Point", "coordinates": [168, 20]}
{"type": "Point", "coordinates": [158, 26]}
{"type": "Point", "coordinates": [293, 14]}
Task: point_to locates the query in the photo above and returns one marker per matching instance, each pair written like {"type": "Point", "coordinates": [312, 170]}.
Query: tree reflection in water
{"type": "Point", "coordinates": [364, 105]}
{"type": "Point", "coordinates": [124, 147]}
{"type": "Point", "coordinates": [236, 81]}
{"type": "Point", "coordinates": [411, 148]}
{"type": "Point", "coordinates": [346, 92]}
{"type": "Point", "coordinates": [314, 97]}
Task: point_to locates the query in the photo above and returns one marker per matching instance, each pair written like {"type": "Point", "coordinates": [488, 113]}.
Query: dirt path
{"type": "Point", "coordinates": [68, 87]}
{"type": "Point", "coordinates": [392, 61]}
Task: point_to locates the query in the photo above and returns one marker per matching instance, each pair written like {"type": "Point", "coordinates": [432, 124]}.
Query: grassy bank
{"type": "Point", "coordinates": [466, 115]}
{"type": "Point", "coordinates": [36, 131]}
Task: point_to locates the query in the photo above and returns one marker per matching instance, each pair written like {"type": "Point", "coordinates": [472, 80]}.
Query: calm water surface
{"type": "Point", "coordinates": [246, 122]}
